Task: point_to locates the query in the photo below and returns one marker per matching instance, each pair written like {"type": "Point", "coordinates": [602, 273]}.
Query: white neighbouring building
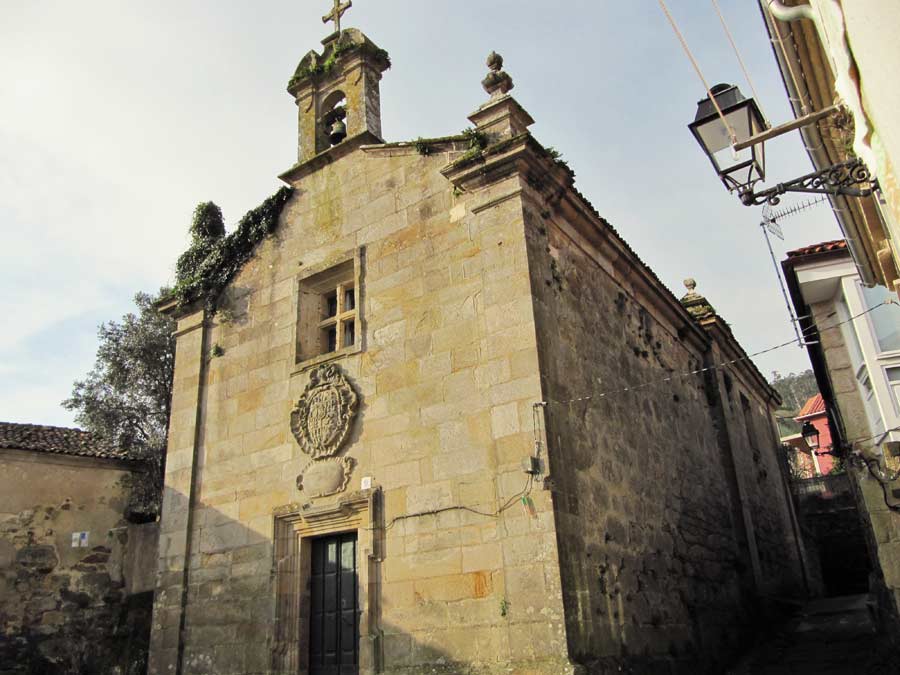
{"type": "Point", "coordinates": [853, 338]}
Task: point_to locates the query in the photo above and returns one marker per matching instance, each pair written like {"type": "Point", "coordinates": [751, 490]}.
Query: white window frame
{"type": "Point", "coordinates": [882, 402]}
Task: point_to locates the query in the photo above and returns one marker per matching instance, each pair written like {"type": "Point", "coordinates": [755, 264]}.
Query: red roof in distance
{"type": "Point", "coordinates": [814, 406]}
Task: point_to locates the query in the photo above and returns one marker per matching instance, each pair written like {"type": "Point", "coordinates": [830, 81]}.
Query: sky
{"type": "Point", "coordinates": [117, 117]}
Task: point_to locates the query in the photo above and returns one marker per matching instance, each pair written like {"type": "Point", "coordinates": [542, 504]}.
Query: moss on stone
{"type": "Point", "coordinates": [313, 68]}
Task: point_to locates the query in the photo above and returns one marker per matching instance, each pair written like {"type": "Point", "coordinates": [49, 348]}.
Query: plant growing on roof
{"type": "Point", "coordinates": [214, 258]}
{"type": "Point", "coordinates": [313, 67]}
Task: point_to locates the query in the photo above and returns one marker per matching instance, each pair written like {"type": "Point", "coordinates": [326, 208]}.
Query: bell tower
{"type": "Point", "coordinates": [337, 91]}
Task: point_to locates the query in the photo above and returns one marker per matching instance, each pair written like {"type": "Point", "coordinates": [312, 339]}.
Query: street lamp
{"type": "Point", "coordinates": [732, 132]}
{"type": "Point", "coordinates": [720, 124]}
{"type": "Point", "coordinates": [810, 435]}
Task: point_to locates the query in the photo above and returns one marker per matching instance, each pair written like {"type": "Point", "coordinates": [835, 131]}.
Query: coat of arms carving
{"type": "Point", "coordinates": [322, 417]}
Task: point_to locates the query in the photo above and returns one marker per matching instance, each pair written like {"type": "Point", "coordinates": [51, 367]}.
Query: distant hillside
{"type": "Point", "coordinates": [795, 390]}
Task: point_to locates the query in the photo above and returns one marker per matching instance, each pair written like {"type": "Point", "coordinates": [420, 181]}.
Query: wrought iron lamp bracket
{"type": "Point", "coordinates": [839, 179]}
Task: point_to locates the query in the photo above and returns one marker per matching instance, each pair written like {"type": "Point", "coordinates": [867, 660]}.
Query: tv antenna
{"type": "Point", "coordinates": [770, 225]}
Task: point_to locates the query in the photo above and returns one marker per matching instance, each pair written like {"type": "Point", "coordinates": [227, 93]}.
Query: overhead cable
{"type": "Point", "coordinates": [737, 53]}
{"type": "Point", "coordinates": [732, 135]}
{"type": "Point", "coordinates": [715, 366]}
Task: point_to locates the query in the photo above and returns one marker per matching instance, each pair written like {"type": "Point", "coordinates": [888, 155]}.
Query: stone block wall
{"type": "Point", "coordinates": [770, 524]}
{"type": "Point", "coordinates": [654, 570]}
{"type": "Point", "coordinates": [446, 378]}
{"type": "Point", "coordinates": [66, 609]}
{"type": "Point", "coordinates": [479, 318]}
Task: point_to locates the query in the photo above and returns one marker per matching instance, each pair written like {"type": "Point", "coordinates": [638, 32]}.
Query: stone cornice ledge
{"type": "Point", "coordinates": [313, 164]}
{"type": "Point", "coordinates": [346, 506]}
{"type": "Point", "coordinates": [172, 306]}
{"type": "Point", "coordinates": [494, 163]}
{"type": "Point", "coordinates": [581, 215]}
{"type": "Point", "coordinates": [421, 146]}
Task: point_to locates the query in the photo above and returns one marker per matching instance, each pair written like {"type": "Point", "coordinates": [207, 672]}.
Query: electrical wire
{"type": "Point", "coordinates": [878, 473]}
{"type": "Point", "coordinates": [732, 135]}
{"type": "Point", "coordinates": [737, 53]}
{"type": "Point", "coordinates": [869, 438]}
{"type": "Point", "coordinates": [715, 366]}
{"type": "Point", "coordinates": [873, 465]}
{"type": "Point", "coordinates": [522, 494]}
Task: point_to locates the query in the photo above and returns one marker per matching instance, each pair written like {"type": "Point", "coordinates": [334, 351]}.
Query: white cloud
{"type": "Point", "coordinates": [118, 118]}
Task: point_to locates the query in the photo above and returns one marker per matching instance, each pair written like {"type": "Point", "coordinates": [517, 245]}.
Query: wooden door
{"type": "Point", "coordinates": [334, 607]}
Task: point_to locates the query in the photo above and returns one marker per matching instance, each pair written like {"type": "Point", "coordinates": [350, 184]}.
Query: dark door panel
{"type": "Point", "coordinates": [334, 607]}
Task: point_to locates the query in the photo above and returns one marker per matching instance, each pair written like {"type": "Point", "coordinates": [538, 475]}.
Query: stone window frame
{"type": "Point", "coordinates": [295, 528]}
{"type": "Point", "coordinates": [317, 280]}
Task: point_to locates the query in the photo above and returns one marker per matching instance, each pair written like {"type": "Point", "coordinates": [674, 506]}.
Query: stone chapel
{"type": "Point", "coordinates": [441, 421]}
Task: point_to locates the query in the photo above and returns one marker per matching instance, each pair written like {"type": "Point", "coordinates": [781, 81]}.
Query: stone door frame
{"type": "Point", "coordinates": [356, 512]}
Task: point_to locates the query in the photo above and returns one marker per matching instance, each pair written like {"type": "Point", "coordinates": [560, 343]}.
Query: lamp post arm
{"type": "Point", "coordinates": [774, 132]}
{"type": "Point", "coordinates": [839, 179]}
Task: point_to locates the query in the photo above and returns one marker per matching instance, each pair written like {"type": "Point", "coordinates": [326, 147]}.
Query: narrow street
{"type": "Point", "coordinates": [830, 636]}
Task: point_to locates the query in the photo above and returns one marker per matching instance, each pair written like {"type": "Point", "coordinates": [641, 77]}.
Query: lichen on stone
{"type": "Point", "coordinates": [314, 66]}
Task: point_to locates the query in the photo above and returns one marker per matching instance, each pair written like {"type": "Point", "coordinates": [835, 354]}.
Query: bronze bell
{"type": "Point", "coordinates": [338, 132]}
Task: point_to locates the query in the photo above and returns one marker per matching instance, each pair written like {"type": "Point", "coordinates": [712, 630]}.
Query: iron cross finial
{"type": "Point", "coordinates": [336, 13]}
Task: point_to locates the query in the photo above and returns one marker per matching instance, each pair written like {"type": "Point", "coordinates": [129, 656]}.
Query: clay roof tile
{"type": "Point", "coordinates": [56, 440]}
{"type": "Point", "coordinates": [824, 247]}
{"type": "Point", "coordinates": [814, 406]}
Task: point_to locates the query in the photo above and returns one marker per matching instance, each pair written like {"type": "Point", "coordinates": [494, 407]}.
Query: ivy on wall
{"type": "Point", "coordinates": [214, 258]}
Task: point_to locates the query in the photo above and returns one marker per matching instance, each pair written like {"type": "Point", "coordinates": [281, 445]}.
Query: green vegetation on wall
{"type": "Point", "coordinates": [214, 258]}
{"type": "Point", "coordinates": [313, 68]}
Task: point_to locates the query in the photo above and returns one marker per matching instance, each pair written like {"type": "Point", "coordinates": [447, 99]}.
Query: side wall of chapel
{"type": "Point", "coordinates": [647, 489]}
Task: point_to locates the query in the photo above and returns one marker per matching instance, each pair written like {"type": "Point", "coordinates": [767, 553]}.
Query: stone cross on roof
{"type": "Point", "coordinates": [336, 13]}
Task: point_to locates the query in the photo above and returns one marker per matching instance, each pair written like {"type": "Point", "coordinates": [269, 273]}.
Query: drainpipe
{"type": "Point", "coordinates": [772, 11]}
{"type": "Point", "coordinates": [784, 13]}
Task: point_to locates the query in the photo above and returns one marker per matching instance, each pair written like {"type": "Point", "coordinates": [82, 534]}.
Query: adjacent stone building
{"type": "Point", "coordinates": [443, 419]}
{"type": "Point", "coordinates": [76, 577]}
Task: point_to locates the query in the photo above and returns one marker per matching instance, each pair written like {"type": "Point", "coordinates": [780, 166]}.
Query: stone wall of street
{"type": "Point", "coordinates": [66, 607]}
{"type": "Point", "coordinates": [672, 513]}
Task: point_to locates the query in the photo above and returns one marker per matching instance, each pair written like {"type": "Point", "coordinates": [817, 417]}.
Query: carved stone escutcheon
{"type": "Point", "coordinates": [325, 477]}
{"type": "Point", "coordinates": [322, 417]}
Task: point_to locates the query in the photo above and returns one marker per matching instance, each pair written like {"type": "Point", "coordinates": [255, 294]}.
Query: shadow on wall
{"type": "Point", "coordinates": [233, 620]}
{"type": "Point", "coordinates": [71, 612]}
{"type": "Point", "coordinates": [831, 521]}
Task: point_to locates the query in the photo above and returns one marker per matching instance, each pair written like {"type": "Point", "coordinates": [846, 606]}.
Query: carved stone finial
{"type": "Point", "coordinates": [497, 83]}
{"type": "Point", "coordinates": [696, 304]}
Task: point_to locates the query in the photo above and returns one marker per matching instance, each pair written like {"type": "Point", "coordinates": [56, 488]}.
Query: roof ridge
{"type": "Point", "coordinates": [815, 405]}
{"type": "Point", "coordinates": [821, 247]}
{"type": "Point", "coordinates": [56, 440]}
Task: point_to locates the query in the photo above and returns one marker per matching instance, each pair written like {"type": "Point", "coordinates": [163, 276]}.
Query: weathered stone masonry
{"type": "Point", "coordinates": [68, 608]}
{"type": "Point", "coordinates": [481, 301]}
{"type": "Point", "coordinates": [655, 488]}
